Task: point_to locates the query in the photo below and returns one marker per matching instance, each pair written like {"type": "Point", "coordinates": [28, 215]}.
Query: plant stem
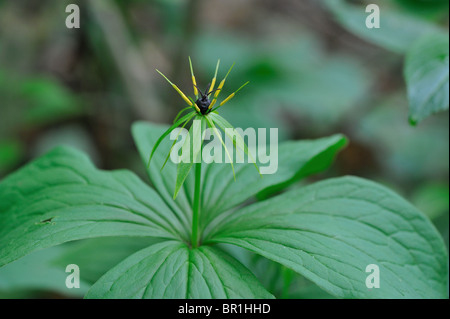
{"type": "Point", "coordinates": [197, 202]}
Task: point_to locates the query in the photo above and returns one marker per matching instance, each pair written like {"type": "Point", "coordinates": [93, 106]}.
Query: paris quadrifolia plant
{"type": "Point", "coordinates": [351, 237]}
{"type": "Point", "coordinates": [205, 110]}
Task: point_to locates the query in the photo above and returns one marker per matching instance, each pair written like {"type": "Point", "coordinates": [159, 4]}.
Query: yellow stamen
{"type": "Point", "coordinates": [195, 86]}
{"type": "Point", "coordinates": [233, 95]}
{"type": "Point", "coordinates": [228, 99]}
{"type": "Point", "coordinates": [219, 89]}
{"type": "Point", "coordinates": [194, 81]}
{"type": "Point", "coordinates": [189, 102]}
{"type": "Point", "coordinates": [213, 83]}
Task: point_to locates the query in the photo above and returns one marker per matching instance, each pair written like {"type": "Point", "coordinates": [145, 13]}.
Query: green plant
{"type": "Point", "coordinates": [329, 231]}
{"type": "Point", "coordinates": [425, 45]}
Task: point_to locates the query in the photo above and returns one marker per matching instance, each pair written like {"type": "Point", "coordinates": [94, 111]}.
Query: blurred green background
{"type": "Point", "coordinates": [310, 77]}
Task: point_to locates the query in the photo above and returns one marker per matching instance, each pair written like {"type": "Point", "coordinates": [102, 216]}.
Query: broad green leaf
{"type": "Point", "coordinates": [331, 231]}
{"type": "Point", "coordinates": [427, 76]}
{"type": "Point", "coordinates": [62, 197]}
{"type": "Point", "coordinates": [397, 33]}
{"type": "Point", "coordinates": [96, 256]}
{"type": "Point", "coordinates": [305, 289]}
{"type": "Point", "coordinates": [36, 272]}
{"type": "Point", "coordinates": [172, 270]}
{"type": "Point", "coordinates": [220, 192]}
{"type": "Point", "coordinates": [280, 281]}
{"type": "Point", "coordinates": [296, 160]}
{"type": "Point", "coordinates": [145, 136]}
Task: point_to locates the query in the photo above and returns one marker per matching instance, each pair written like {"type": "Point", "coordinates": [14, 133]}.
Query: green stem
{"type": "Point", "coordinates": [197, 201]}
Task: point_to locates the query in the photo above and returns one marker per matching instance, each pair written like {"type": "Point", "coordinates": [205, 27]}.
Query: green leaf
{"type": "Point", "coordinates": [195, 137]}
{"type": "Point", "coordinates": [282, 282]}
{"type": "Point", "coordinates": [145, 136]}
{"type": "Point", "coordinates": [427, 76]}
{"type": "Point", "coordinates": [180, 113]}
{"type": "Point", "coordinates": [11, 152]}
{"type": "Point", "coordinates": [172, 270]}
{"type": "Point", "coordinates": [184, 119]}
{"type": "Point", "coordinates": [416, 153]}
{"type": "Point", "coordinates": [435, 10]}
{"type": "Point", "coordinates": [97, 256]}
{"type": "Point", "coordinates": [36, 272]}
{"type": "Point", "coordinates": [331, 231]}
{"type": "Point", "coordinates": [62, 197]}
{"type": "Point", "coordinates": [217, 134]}
{"type": "Point", "coordinates": [398, 31]}
{"type": "Point", "coordinates": [176, 140]}
{"type": "Point", "coordinates": [49, 101]}
{"type": "Point", "coordinates": [432, 199]}
{"type": "Point", "coordinates": [296, 160]}
{"type": "Point", "coordinates": [220, 192]}
{"type": "Point", "coordinates": [238, 141]}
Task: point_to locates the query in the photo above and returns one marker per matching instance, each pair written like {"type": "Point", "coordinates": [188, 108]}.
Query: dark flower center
{"type": "Point", "coordinates": [203, 104]}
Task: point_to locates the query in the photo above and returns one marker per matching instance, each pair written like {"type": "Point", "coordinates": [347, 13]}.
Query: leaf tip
{"type": "Point", "coordinates": [413, 121]}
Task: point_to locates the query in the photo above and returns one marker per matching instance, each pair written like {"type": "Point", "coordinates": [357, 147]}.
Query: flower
{"type": "Point", "coordinates": [204, 108]}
